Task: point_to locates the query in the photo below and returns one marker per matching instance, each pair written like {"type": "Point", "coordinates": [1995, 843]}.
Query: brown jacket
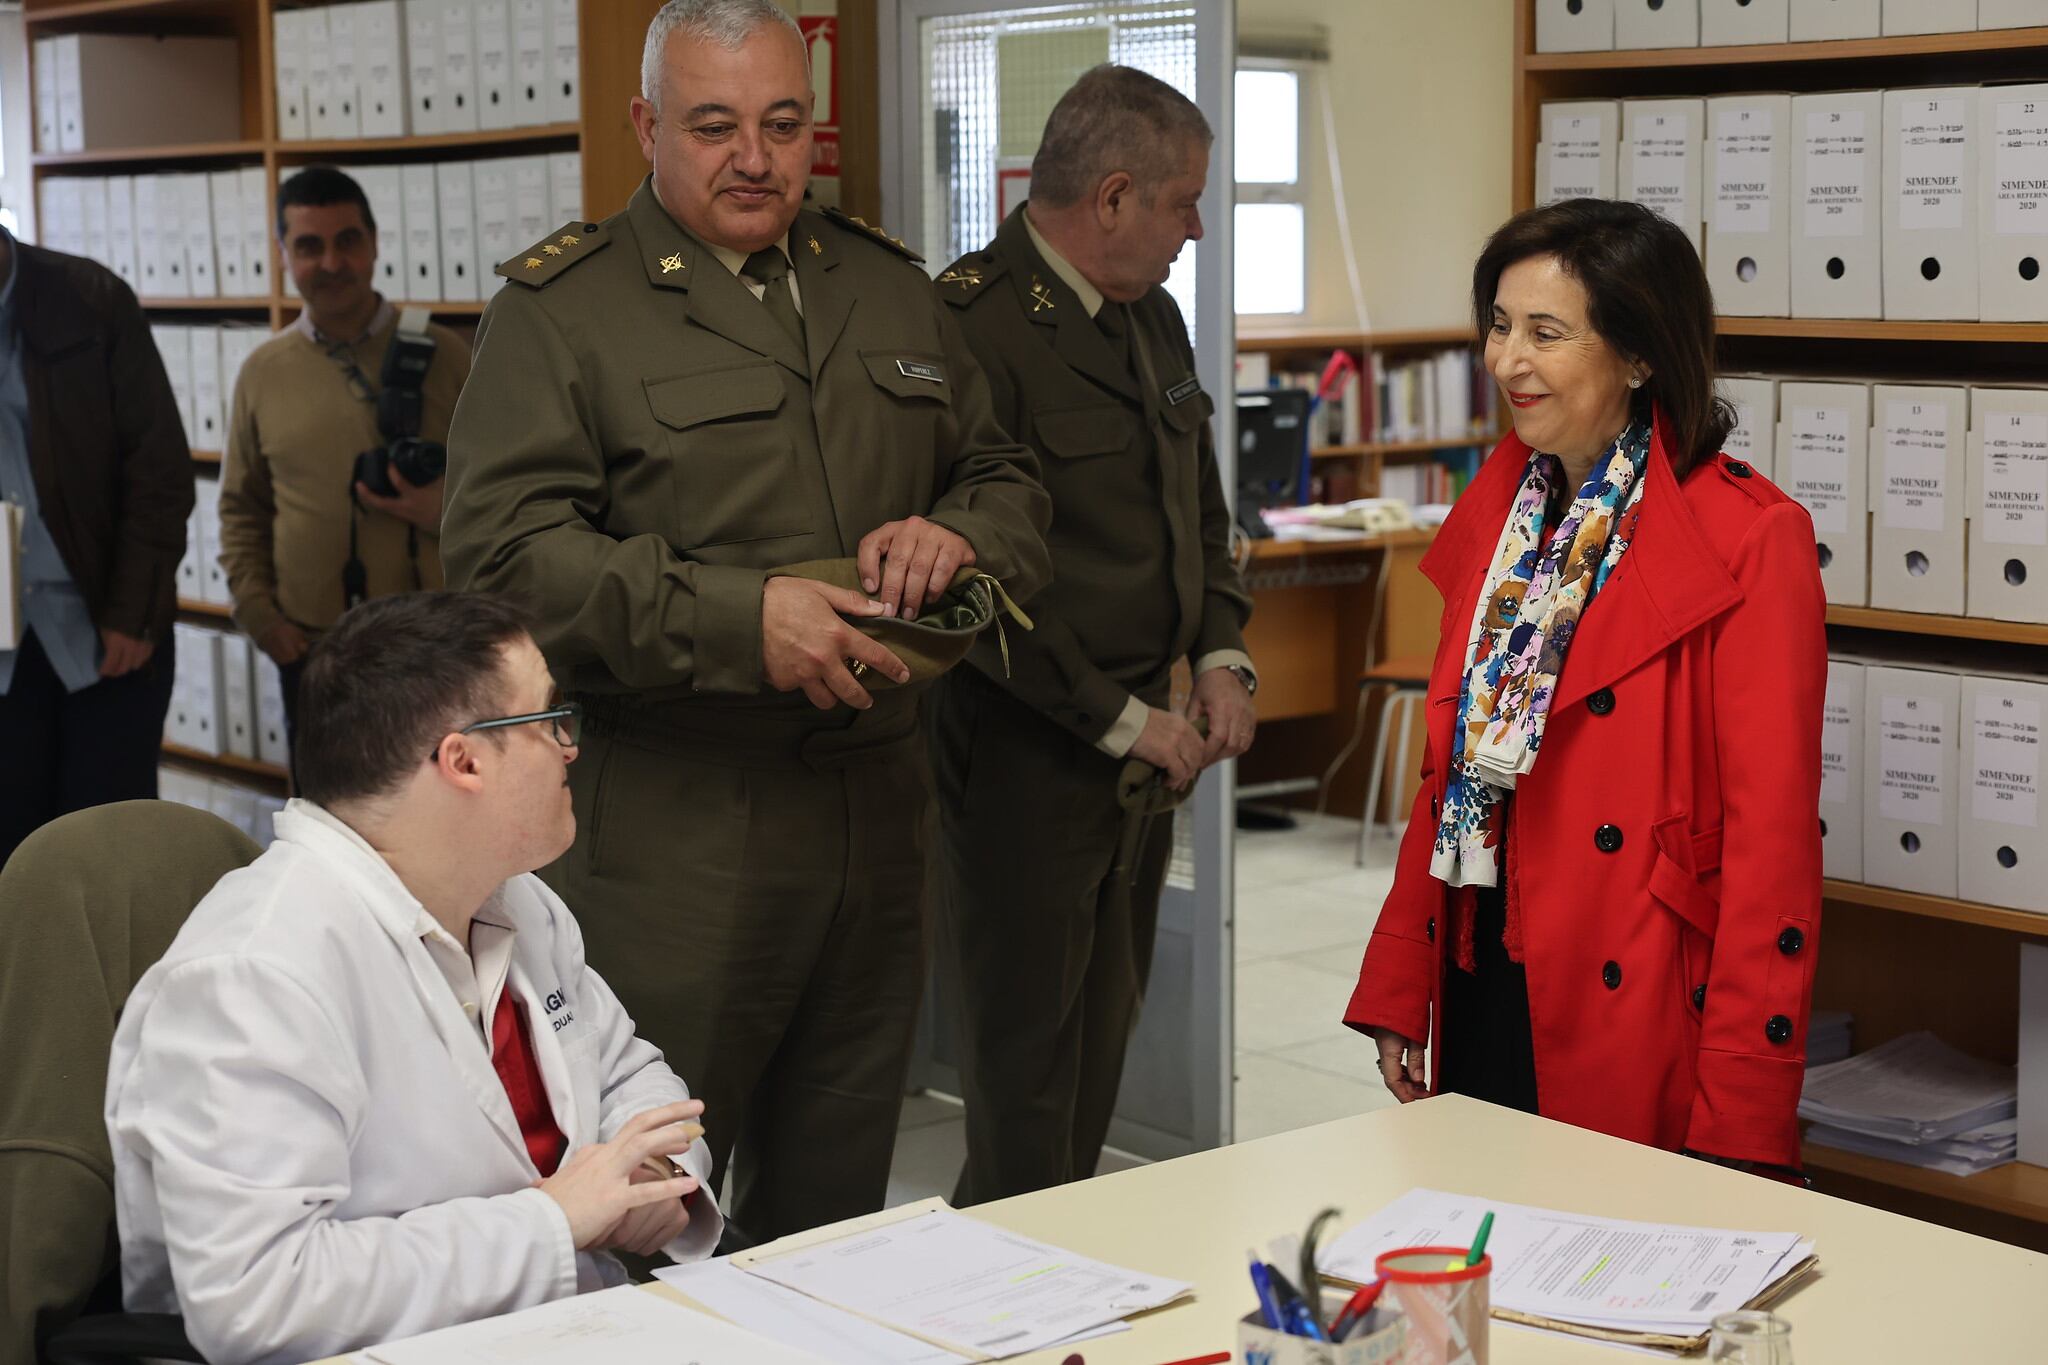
{"type": "Point", "coordinates": [112, 467]}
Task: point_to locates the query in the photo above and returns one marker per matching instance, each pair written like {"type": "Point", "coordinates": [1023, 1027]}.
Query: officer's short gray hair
{"type": "Point", "coordinates": [729, 23]}
{"type": "Point", "coordinates": [1116, 118]}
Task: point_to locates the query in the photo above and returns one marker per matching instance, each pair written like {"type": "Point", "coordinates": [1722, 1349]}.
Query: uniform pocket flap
{"type": "Point", "coordinates": [689, 400]}
{"type": "Point", "coordinates": [1194, 408]}
{"type": "Point", "coordinates": [909, 374]}
{"type": "Point", "coordinates": [1683, 858]}
{"type": "Point", "coordinates": [1087, 429]}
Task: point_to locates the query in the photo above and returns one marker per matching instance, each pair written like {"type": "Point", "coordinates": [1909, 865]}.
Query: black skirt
{"type": "Point", "coordinates": [1487, 1050]}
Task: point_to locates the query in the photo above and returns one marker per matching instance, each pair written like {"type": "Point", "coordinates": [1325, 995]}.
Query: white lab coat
{"type": "Point", "coordinates": [312, 1151]}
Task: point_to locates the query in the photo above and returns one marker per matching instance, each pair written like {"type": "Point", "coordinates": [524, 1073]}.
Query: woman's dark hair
{"type": "Point", "coordinates": [1650, 301]}
{"type": "Point", "coordinates": [390, 679]}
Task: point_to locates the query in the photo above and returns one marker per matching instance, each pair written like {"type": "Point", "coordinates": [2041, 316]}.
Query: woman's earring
{"type": "Point", "coordinates": [1635, 381]}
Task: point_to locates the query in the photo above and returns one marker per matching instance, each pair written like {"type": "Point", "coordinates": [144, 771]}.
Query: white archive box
{"type": "Point", "coordinates": [238, 696]}
{"type": "Point", "coordinates": [194, 717]}
{"type": "Point", "coordinates": [1574, 25]}
{"type": "Point", "coordinates": [2012, 14]}
{"type": "Point", "coordinates": [344, 110]}
{"type": "Point", "coordinates": [321, 109]}
{"type": "Point", "coordinates": [1836, 209]}
{"type": "Point", "coordinates": [1575, 159]}
{"type": "Point", "coordinates": [60, 211]}
{"type": "Point", "coordinates": [2000, 806]}
{"type": "Point", "coordinates": [1902, 17]}
{"type": "Point", "coordinates": [272, 740]}
{"type": "Point", "coordinates": [43, 74]}
{"type": "Point", "coordinates": [417, 185]}
{"type": "Point", "coordinates": [1735, 23]}
{"type": "Point", "coordinates": [2012, 219]}
{"type": "Point", "coordinates": [458, 67]}
{"type": "Point", "coordinates": [224, 194]}
{"type": "Point", "coordinates": [565, 186]}
{"type": "Point", "coordinates": [1754, 437]}
{"type": "Point", "coordinates": [174, 347]}
{"type": "Point", "coordinates": [532, 31]}
{"type": "Point", "coordinates": [2033, 1067]}
{"type": "Point", "coordinates": [208, 430]}
{"type": "Point", "coordinates": [380, 68]}
{"type": "Point", "coordinates": [2008, 507]}
{"type": "Point", "coordinates": [195, 215]}
{"type": "Point", "coordinates": [288, 46]}
{"type": "Point", "coordinates": [1820, 20]}
{"type": "Point", "coordinates": [423, 67]}
{"type": "Point", "coordinates": [495, 216]}
{"type": "Point", "coordinates": [1841, 772]}
{"type": "Point", "coordinates": [533, 213]}
{"type": "Point", "coordinates": [1930, 203]}
{"type": "Point", "coordinates": [565, 98]}
{"type": "Point", "coordinates": [494, 107]}
{"type": "Point", "coordinates": [1746, 195]}
{"type": "Point", "coordinates": [1910, 756]}
{"type": "Point", "coordinates": [1919, 458]}
{"type": "Point", "coordinates": [149, 234]}
{"type": "Point", "coordinates": [1663, 160]}
{"type": "Point", "coordinates": [384, 188]}
{"type": "Point", "coordinates": [1656, 23]}
{"type": "Point", "coordinates": [119, 90]}
{"type": "Point", "coordinates": [259, 240]}
{"type": "Point", "coordinates": [191, 576]}
{"type": "Point", "coordinates": [92, 217]}
{"type": "Point", "coordinates": [455, 193]}
{"type": "Point", "coordinates": [213, 576]}
{"type": "Point", "coordinates": [121, 242]}
{"type": "Point", "coordinates": [1823, 463]}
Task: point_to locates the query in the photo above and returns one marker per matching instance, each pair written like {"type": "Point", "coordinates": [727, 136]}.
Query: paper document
{"type": "Point", "coordinates": [11, 625]}
{"type": "Point", "coordinates": [1980, 1149]}
{"type": "Point", "coordinates": [624, 1326]}
{"type": "Point", "coordinates": [1575, 1268]}
{"type": "Point", "coordinates": [1912, 1089]}
{"type": "Point", "coordinates": [761, 1305]}
{"type": "Point", "coordinates": [968, 1285]}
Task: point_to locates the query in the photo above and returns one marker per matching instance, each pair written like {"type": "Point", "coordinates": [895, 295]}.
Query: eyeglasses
{"type": "Point", "coordinates": [566, 721]}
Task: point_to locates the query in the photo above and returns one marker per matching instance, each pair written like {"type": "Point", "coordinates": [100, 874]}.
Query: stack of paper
{"type": "Point", "coordinates": [1917, 1100]}
{"type": "Point", "coordinates": [615, 1327]}
{"type": "Point", "coordinates": [1828, 1035]}
{"type": "Point", "coordinates": [1651, 1284]}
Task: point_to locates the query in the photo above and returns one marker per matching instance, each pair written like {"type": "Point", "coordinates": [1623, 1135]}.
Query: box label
{"type": "Point", "coordinates": [1916, 444]}
{"type": "Point", "coordinates": [1837, 741]}
{"type": "Point", "coordinates": [2019, 164]}
{"type": "Point", "coordinates": [1575, 146]}
{"type": "Point", "coordinates": [1818, 470]}
{"type": "Point", "coordinates": [1934, 155]}
{"type": "Point", "coordinates": [2015, 482]}
{"type": "Point", "coordinates": [2006, 782]}
{"type": "Point", "coordinates": [1911, 738]}
{"type": "Point", "coordinates": [1661, 167]}
{"type": "Point", "coordinates": [1742, 170]}
{"type": "Point", "coordinates": [1838, 166]}
{"type": "Point", "coordinates": [1741, 440]}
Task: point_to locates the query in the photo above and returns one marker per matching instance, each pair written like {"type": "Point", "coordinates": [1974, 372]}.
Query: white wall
{"type": "Point", "coordinates": [1421, 97]}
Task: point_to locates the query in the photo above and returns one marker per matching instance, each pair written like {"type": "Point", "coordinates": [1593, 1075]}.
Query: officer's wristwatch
{"type": "Point", "coordinates": [1245, 676]}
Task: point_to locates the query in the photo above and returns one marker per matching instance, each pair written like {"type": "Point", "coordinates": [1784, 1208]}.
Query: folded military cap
{"type": "Point", "coordinates": [1142, 790]}
{"type": "Point", "coordinates": [940, 635]}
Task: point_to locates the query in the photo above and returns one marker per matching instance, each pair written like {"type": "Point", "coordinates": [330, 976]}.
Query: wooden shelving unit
{"type": "Point", "coordinates": [1896, 960]}
{"type": "Point", "coordinates": [609, 41]}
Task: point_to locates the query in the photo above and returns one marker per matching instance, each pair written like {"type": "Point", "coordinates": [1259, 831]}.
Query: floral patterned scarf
{"type": "Point", "coordinates": [1521, 628]}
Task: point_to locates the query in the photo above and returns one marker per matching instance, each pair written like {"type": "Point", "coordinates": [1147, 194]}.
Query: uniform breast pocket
{"type": "Point", "coordinates": [732, 460]}
{"type": "Point", "coordinates": [918, 378]}
{"type": "Point", "coordinates": [1189, 415]}
{"type": "Point", "coordinates": [1081, 431]}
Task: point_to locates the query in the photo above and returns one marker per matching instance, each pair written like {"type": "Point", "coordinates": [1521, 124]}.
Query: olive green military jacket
{"type": "Point", "coordinates": [640, 442]}
{"type": "Point", "coordinates": [1140, 534]}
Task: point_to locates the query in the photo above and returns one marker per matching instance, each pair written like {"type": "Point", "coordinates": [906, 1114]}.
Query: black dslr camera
{"type": "Point", "coordinates": [400, 402]}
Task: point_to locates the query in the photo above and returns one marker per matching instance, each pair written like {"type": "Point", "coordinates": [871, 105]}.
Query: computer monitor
{"type": "Point", "coordinates": [1272, 445]}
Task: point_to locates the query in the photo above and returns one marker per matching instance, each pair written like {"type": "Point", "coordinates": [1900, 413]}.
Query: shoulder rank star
{"type": "Point", "coordinates": [570, 239]}
{"type": "Point", "coordinates": [533, 263]}
{"type": "Point", "coordinates": [672, 263]}
{"type": "Point", "coordinates": [966, 278]}
{"type": "Point", "coordinates": [1041, 297]}
{"type": "Point", "coordinates": [552, 250]}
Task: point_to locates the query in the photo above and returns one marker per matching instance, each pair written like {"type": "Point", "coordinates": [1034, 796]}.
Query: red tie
{"type": "Point", "coordinates": [519, 1072]}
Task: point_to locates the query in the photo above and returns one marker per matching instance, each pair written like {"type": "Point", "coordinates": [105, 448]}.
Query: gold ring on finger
{"type": "Point", "coordinates": [856, 666]}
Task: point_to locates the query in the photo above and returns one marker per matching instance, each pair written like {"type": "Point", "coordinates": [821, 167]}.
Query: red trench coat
{"type": "Point", "coordinates": [1664, 852]}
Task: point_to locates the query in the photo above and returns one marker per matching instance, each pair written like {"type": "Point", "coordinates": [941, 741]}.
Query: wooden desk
{"type": "Point", "coordinates": [1888, 1288]}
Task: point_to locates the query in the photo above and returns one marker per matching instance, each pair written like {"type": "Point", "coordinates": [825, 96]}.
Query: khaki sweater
{"type": "Point", "coordinates": [295, 431]}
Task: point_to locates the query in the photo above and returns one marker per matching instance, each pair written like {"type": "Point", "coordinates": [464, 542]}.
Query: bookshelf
{"type": "Point", "coordinates": [610, 33]}
{"type": "Point", "coordinates": [1896, 960]}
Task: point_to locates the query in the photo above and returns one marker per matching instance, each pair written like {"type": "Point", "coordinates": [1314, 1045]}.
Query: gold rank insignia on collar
{"type": "Point", "coordinates": [1041, 297]}
{"type": "Point", "coordinates": [816, 250]}
{"type": "Point", "coordinates": [543, 262]}
{"type": "Point", "coordinates": [965, 276]}
{"type": "Point", "coordinates": [672, 263]}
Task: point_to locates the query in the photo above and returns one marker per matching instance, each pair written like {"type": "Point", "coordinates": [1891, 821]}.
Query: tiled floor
{"type": "Point", "coordinates": [1303, 915]}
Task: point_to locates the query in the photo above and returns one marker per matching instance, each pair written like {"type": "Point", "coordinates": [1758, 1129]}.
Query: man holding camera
{"type": "Point", "coordinates": [331, 489]}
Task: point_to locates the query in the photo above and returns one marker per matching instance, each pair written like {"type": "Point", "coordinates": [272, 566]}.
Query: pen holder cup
{"type": "Point", "coordinates": [1447, 1311]}
{"type": "Point", "coordinates": [1382, 1340]}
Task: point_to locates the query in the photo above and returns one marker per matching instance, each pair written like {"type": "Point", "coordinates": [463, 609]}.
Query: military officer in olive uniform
{"type": "Point", "coordinates": [666, 407]}
{"type": "Point", "coordinates": [1049, 899]}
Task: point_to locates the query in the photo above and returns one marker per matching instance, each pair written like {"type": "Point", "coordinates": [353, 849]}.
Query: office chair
{"type": "Point", "coordinates": [87, 904]}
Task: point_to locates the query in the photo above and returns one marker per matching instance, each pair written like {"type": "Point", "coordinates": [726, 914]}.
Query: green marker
{"type": "Point", "coordinates": [1479, 1242]}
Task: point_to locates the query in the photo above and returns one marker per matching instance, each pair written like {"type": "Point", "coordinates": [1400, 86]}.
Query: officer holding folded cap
{"type": "Point", "coordinates": [668, 407]}
{"type": "Point", "coordinates": [1051, 883]}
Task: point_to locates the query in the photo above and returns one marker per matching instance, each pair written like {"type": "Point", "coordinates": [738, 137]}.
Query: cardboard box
{"type": "Point", "coordinates": [238, 695]}
{"type": "Point", "coordinates": [417, 185]}
{"type": "Point", "coordinates": [272, 740]}
{"type": "Point", "coordinates": [1662, 160]}
{"type": "Point", "coordinates": [2033, 1067]}
{"type": "Point", "coordinates": [1737, 23]}
{"type": "Point", "coordinates": [424, 109]}
{"type": "Point", "coordinates": [2001, 848]}
{"type": "Point", "coordinates": [458, 67]}
{"type": "Point", "coordinates": [456, 195]}
{"type": "Point", "coordinates": [1837, 209]}
{"type": "Point", "coordinates": [1656, 23]}
{"type": "Point", "coordinates": [380, 68]}
{"type": "Point", "coordinates": [1822, 20]}
{"type": "Point", "coordinates": [1841, 772]}
{"type": "Point", "coordinates": [1754, 439]}
{"type": "Point", "coordinates": [1576, 158]}
{"type": "Point", "coordinates": [2012, 13]}
{"type": "Point", "coordinates": [194, 719]}
{"type": "Point", "coordinates": [1902, 17]}
{"type": "Point", "coordinates": [1562, 26]}
{"type": "Point", "coordinates": [1823, 463]}
{"type": "Point", "coordinates": [2008, 504]}
{"type": "Point", "coordinates": [138, 90]}
{"type": "Point", "coordinates": [2012, 215]}
{"type": "Point", "coordinates": [494, 106]}
{"type": "Point", "coordinates": [1930, 210]}
{"type": "Point", "coordinates": [532, 31]}
{"type": "Point", "coordinates": [1747, 194]}
{"type": "Point", "coordinates": [565, 86]}
{"type": "Point", "coordinates": [1910, 757]}
{"type": "Point", "coordinates": [1919, 481]}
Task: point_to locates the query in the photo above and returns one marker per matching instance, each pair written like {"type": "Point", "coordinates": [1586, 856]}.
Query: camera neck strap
{"type": "Point", "coordinates": [355, 577]}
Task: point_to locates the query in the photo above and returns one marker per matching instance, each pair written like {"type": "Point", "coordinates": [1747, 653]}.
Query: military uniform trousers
{"type": "Point", "coordinates": [1051, 940]}
{"type": "Point", "coordinates": [763, 922]}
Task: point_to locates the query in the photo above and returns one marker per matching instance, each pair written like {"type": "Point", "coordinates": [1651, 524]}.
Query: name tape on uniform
{"type": "Point", "coordinates": [1186, 389]}
{"type": "Point", "coordinates": [917, 369]}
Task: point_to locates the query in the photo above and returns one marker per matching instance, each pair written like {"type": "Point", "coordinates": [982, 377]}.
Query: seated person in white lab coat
{"type": "Point", "coordinates": [373, 1089]}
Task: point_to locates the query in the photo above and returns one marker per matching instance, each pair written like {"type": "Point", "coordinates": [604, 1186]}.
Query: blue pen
{"type": "Point", "coordinates": [1304, 1324]}
{"type": "Point", "coordinates": [1269, 1307]}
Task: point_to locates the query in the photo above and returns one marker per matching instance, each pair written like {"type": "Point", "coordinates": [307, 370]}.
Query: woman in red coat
{"type": "Point", "coordinates": [1607, 903]}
